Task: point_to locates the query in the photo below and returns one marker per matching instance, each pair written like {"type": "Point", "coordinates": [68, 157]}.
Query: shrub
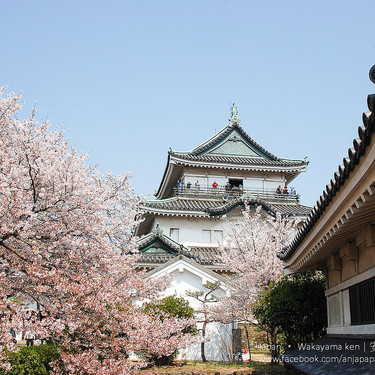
{"type": "Point", "coordinates": [172, 306]}
{"type": "Point", "coordinates": [32, 360]}
{"type": "Point", "coordinates": [294, 308]}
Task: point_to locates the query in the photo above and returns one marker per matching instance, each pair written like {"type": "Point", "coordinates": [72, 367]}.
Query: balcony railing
{"type": "Point", "coordinates": [224, 193]}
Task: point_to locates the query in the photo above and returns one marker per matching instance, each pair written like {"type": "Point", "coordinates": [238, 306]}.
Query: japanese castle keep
{"type": "Point", "coordinates": [201, 192]}
{"type": "Point", "coordinates": [204, 188]}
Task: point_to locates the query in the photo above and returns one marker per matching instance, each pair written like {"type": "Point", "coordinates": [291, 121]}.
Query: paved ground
{"type": "Point", "coordinates": [215, 368]}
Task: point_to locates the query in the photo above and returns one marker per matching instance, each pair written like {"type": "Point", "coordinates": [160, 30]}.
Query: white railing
{"type": "Point", "coordinates": [234, 192]}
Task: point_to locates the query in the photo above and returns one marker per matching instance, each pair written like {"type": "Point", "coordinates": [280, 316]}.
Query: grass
{"type": "Point", "coordinates": [260, 365]}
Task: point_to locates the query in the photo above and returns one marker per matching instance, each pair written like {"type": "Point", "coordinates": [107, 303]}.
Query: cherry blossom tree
{"type": "Point", "coordinates": [249, 253]}
{"type": "Point", "coordinates": [67, 252]}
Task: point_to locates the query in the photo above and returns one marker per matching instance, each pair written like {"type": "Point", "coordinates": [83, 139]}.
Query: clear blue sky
{"type": "Point", "coordinates": [128, 79]}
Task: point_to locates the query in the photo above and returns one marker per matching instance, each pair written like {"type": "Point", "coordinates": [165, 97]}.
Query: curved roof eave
{"type": "Point", "coordinates": [205, 208]}
{"type": "Point", "coordinates": [164, 175]}
{"type": "Point", "coordinates": [164, 212]}
{"type": "Point", "coordinates": [298, 167]}
{"type": "Point", "coordinates": [243, 202]}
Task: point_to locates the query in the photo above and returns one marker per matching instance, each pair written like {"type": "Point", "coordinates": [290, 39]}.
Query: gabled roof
{"type": "Point", "coordinates": [356, 157]}
{"type": "Point", "coordinates": [191, 266]}
{"type": "Point", "coordinates": [242, 144]}
{"type": "Point", "coordinates": [158, 248]}
{"type": "Point", "coordinates": [230, 148]}
{"type": "Point", "coordinates": [156, 235]}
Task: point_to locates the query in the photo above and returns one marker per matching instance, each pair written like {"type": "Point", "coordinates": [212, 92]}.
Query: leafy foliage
{"type": "Point", "coordinates": [173, 306]}
{"type": "Point", "coordinates": [170, 306]}
{"type": "Point", "coordinates": [32, 360]}
{"type": "Point", "coordinates": [294, 306]}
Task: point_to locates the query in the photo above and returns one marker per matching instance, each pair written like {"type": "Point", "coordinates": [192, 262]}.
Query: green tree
{"type": "Point", "coordinates": [166, 307]}
{"type": "Point", "coordinates": [294, 306]}
{"type": "Point", "coordinates": [32, 360]}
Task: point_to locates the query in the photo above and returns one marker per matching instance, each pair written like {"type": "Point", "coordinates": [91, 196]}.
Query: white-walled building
{"type": "Point", "coordinates": [201, 191]}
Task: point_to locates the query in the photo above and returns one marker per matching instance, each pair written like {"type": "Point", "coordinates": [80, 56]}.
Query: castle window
{"type": "Point", "coordinates": [212, 236]}
{"type": "Point", "coordinates": [362, 302]}
{"type": "Point", "coordinates": [236, 182]}
{"type": "Point", "coordinates": [218, 236]}
{"type": "Point", "coordinates": [174, 233]}
{"type": "Point", "coordinates": [206, 236]}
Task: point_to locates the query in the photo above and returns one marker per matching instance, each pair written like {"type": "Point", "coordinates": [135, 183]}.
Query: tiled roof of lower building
{"type": "Point", "coordinates": [183, 204]}
{"type": "Point", "coordinates": [204, 256]}
{"type": "Point", "coordinates": [158, 248]}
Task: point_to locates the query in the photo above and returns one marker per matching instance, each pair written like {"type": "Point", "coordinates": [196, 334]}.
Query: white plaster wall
{"type": "Point", "coordinates": [251, 180]}
{"type": "Point", "coordinates": [256, 184]}
{"type": "Point", "coordinates": [338, 306]}
{"type": "Point", "coordinates": [186, 277]}
{"type": "Point", "coordinates": [190, 229]}
{"type": "Point", "coordinates": [218, 347]}
{"type": "Point", "coordinates": [270, 185]}
{"type": "Point", "coordinates": [192, 178]}
{"type": "Point", "coordinates": [185, 280]}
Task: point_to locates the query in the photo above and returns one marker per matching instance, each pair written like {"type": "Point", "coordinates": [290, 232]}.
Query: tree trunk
{"type": "Point", "coordinates": [274, 351]}
{"type": "Point", "coordinates": [248, 342]}
{"type": "Point", "coordinates": [202, 343]}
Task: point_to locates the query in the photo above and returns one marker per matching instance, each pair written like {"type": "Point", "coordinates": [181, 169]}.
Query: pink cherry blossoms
{"type": "Point", "coordinates": [249, 253]}
{"type": "Point", "coordinates": [67, 252]}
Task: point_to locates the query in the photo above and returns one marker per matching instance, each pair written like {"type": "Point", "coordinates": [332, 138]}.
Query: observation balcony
{"type": "Point", "coordinates": [221, 192]}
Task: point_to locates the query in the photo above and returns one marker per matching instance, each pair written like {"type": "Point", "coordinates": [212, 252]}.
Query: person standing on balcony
{"type": "Point", "coordinates": [215, 185]}
{"type": "Point", "coordinates": [197, 185]}
{"type": "Point", "coordinates": [180, 186]}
